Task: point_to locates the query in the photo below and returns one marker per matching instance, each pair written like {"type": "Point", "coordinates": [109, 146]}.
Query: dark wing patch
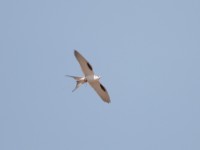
{"type": "Point", "coordinates": [102, 87]}
{"type": "Point", "coordinates": [89, 66]}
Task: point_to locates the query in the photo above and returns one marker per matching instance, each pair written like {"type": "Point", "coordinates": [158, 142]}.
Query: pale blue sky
{"type": "Point", "coordinates": [147, 52]}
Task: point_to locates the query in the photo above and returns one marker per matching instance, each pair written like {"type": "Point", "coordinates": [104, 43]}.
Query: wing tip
{"type": "Point", "coordinates": [107, 100]}
{"type": "Point", "coordinates": [75, 52]}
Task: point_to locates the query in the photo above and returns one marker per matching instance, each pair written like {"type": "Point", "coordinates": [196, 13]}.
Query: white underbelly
{"type": "Point", "coordinates": [91, 78]}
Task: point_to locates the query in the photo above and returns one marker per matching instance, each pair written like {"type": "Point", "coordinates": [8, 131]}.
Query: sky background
{"type": "Point", "coordinates": [147, 52]}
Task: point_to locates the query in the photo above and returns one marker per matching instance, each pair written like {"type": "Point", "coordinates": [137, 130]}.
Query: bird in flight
{"type": "Point", "coordinates": [89, 77]}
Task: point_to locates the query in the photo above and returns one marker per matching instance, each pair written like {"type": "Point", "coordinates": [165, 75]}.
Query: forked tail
{"type": "Point", "coordinates": [79, 82]}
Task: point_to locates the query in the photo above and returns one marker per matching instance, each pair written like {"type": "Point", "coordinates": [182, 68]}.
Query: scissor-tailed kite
{"type": "Point", "coordinates": [89, 77]}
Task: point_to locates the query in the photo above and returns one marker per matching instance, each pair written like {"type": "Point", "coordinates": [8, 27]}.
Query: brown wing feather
{"type": "Point", "coordinates": [85, 65]}
{"type": "Point", "coordinates": [101, 91]}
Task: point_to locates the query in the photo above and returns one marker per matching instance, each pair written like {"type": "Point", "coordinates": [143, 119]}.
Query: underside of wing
{"type": "Point", "coordinates": [85, 65]}
{"type": "Point", "coordinates": [101, 91]}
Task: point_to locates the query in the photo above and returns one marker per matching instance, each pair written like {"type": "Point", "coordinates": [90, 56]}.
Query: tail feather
{"type": "Point", "coordinates": [79, 82]}
{"type": "Point", "coordinates": [76, 78]}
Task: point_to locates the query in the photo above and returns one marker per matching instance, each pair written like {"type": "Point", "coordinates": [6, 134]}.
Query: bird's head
{"type": "Point", "coordinates": [97, 77]}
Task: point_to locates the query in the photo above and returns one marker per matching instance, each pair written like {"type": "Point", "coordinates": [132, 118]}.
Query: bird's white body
{"type": "Point", "coordinates": [90, 77]}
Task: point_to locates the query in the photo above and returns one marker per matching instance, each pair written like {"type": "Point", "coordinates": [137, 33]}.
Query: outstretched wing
{"type": "Point", "coordinates": [85, 65]}
{"type": "Point", "coordinates": [101, 91]}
